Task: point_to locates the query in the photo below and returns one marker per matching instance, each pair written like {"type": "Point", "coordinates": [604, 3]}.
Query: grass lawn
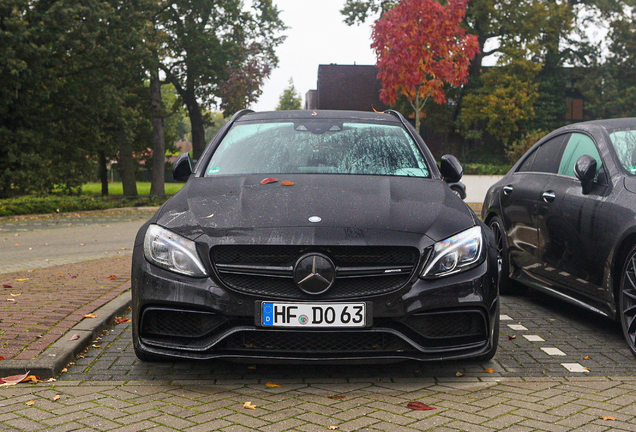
{"type": "Point", "coordinates": [89, 199]}
{"type": "Point", "coordinates": [116, 189]}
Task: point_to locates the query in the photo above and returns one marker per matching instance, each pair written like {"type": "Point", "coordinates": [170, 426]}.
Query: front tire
{"type": "Point", "coordinates": [627, 300]}
{"type": "Point", "coordinates": [506, 285]}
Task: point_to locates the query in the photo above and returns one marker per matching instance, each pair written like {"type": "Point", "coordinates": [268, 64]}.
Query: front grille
{"type": "Point", "coordinates": [266, 270]}
{"type": "Point", "coordinates": [322, 342]}
{"type": "Point", "coordinates": [179, 323]}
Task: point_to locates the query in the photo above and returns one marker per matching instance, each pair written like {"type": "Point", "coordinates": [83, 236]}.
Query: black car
{"type": "Point", "coordinates": [565, 219]}
{"type": "Point", "coordinates": [315, 236]}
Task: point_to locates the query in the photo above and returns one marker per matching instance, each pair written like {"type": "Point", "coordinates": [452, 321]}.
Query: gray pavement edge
{"type": "Point", "coordinates": [58, 355]}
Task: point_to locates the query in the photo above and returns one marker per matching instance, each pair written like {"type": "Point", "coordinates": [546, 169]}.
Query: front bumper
{"type": "Point", "coordinates": [180, 317]}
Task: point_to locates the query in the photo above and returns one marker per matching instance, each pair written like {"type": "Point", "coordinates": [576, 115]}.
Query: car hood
{"type": "Point", "coordinates": [221, 206]}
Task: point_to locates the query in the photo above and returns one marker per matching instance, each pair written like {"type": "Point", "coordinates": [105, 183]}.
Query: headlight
{"type": "Point", "coordinates": [168, 250]}
{"type": "Point", "coordinates": [454, 254]}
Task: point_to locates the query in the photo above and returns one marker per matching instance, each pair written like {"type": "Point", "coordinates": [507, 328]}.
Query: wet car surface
{"type": "Point", "coordinates": [322, 236]}
{"type": "Point", "coordinates": [565, 221]}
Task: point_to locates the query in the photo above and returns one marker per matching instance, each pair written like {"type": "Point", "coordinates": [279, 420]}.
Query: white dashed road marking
{"type": "Point", "coordinates": [504, 317]}
{"type": "Point", "coordinates": [574, 367]}
{"type": "Point", "coordinates": [534, 338]}
{"type": "Point", "coordinates": [517, 327]}
{"type": "Point", "coordinates": [553, 351]}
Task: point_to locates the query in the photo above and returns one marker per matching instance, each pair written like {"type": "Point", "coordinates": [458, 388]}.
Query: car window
{"type": "Point", "coordinates": [546, 158]}
{"type": "Point", "coordinates": [578, 145]}
{"type": "Point", "coordinates": [624, 142]}
{"type": "Point", "coordinates": [317, 147]}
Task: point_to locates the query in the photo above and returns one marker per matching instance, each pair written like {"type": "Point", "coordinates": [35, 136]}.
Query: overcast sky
{"type": "Point", "coordinates": [316, 35]}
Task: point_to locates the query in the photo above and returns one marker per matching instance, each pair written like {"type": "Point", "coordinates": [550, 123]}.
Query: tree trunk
{"type": "Point", "coordinates": [102, 171]}
{"type": "Point", "coordinates": [196, 122]}
{"type": "Point", "coordinates": [157, 185]}
{"type": "Point", "coordinates": [126, 164]}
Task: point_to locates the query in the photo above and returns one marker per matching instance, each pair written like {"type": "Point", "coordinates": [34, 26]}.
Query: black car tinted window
{"type": "Point", "coordinates": [548, 155]}
{"type": "Point", "coordinates": [317, 147]}
{"type": "Point", "coordinates": [578, 145]}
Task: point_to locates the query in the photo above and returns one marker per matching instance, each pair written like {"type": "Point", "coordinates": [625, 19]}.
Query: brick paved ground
{"type": "Point", "coordinates": [46, 303]}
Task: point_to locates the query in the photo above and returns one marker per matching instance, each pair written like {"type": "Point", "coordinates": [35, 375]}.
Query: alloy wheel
{"type": "Point", "coordinates": [628, 301]}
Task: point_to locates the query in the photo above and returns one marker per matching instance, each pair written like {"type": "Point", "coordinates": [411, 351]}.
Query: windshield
{"type": "Point", "coordinates": [317, 147]}
{"type": "Point", "coordinates": [624, 142]}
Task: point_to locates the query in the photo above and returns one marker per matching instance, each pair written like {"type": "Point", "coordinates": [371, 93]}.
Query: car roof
{"type": "Point", "coordinates": [608, 124]}
{"type": "Point", "coordinates": [318, 114]}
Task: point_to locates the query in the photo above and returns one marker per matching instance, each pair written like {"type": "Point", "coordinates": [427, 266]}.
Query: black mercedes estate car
{"type": "Point", "coordinates": [565, 219]}
{"type": "Point", "coordinates": [315, 236]}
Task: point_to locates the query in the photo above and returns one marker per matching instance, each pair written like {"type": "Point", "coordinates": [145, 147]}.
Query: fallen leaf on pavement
{"type": "Point", "coordinates": [16, 295]}
{"type": "Point", "coordinates": [336, 397]}
{"type": "Point", "coordinates": [7, 384]}
{"type": "Point", "coordinates": [22, 279]}
{"type": "Point", "coordinates": [489, 370]}
{"type": "Point", "coordinates": [32, 378]}
{"type": "Point", "coordinates": [1, 358]}
{"type": "Point", "coordinates": [271, 384]}
{"type": "Point", "coordinates": [249, 405]}
{"type": "Point", "coordinates": [418, 406]}
{"type": "Point", "coordinates": [29, 403]}
{"type": "Point", "coordinates": [333, 427]}
{"type": "Point", "coordinates": [57, 397]}
{"type": "Point", "coordinates": [269, 180]}
{"type": "Point", "coordinates": [14, 378]}
{"type": "Point", "coordinates": [252, 367]}
{"type": "Point", "coordinates": [119, 320]}
{"type": "Point", "coordinates": [6, 286]}
{"type": "Point", "coordinates": [64, 370]}
{"type": "Point", "coordinates": [459, 374]}
{"type": "Point", "coordinates": [60, 275]}
{"type": "Point", "coordinates": [74, 337]}
{"type": "Point", "coordinates": [511, 337]}
{"type": "Point", "coordinates": [11, 300]}
{"type": "Point", "coordinates": [51, 380]}
{"type": "Point", "coordinates": [112, 277]}
{"type": "Point", "coordinates": [90, 315]}
{"type": "Point", "coordinates": [608, 418]}
{"type": "Point", "coordinates": [586, 358]}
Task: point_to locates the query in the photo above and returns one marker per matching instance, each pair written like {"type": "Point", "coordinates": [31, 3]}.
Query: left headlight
{"type": "Point", "coordinates": [454, 254]}
{"type": "Point", "coordinates": [172, 252]}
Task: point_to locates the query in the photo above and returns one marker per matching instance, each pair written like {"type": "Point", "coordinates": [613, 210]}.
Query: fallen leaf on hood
{"type": "Point", "coordinates": [336, 397]}
{"type": "Point", "coordinates": [29, 403]}
{"type": "Point", "coordinates": [74, 337]}
{"type": "Point", "coordinates": [112, 277]}
{"type": "Point", "coordinates": [74, 277]}
{"type": "Point", "coordinates": [16, 244]}
{"type": "Point", "coordinates": [608, 418]}
{"type": "Point", "coordinates": [14, 378]}
{"type": "Point", "coordinates": [287, 183]}
{"type": "Point", "coordinates": [271, 384]}
{"type": "Point", "coordinates": [489, 370]}
{"type": "Point", "coordinates": [82, 244]}
{"type": "Point", "coordinates": [57, 397]}
{"type": "Point", "coordinates": [252, 367]}
{"type": "Point", "coordinates": [90, 315]}
{"type": "Point", "coordinates": [459, 374]}
{"type": "Point", "coordinates": [418, 406]}
{"type": "Point", "coordinates": [249, 405]}
{"type": "Point", "coordinates": [269, 180]}
{"type": "Point", "coordinates": [119, 320]}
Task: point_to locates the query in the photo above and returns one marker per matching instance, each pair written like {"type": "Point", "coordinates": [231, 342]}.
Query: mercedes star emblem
{"type": "Point", "coordinates": [314, 273]}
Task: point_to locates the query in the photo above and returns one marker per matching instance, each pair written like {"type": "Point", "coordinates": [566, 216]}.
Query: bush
{"type": "Point", "coordinates": [485, 169]}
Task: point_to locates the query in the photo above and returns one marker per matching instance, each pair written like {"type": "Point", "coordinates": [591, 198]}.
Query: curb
{"type": "Point", "coordinates": [57, 356]}
{"type": "Point", "coordinates": [81, 212]}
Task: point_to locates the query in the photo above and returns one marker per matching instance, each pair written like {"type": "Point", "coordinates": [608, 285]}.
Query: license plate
{"type": "Point", "coordinates": [276, 314]}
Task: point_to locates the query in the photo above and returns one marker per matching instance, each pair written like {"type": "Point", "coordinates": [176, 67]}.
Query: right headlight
{"type": "Point", "coordinates": [455, 254]}
{"type": "Point", "coordinates": [172, 252]}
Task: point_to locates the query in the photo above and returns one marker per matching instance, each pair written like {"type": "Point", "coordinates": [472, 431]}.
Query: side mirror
{"type": "Point", "coordinates": [585, 170]}
{"type": "Point", "coordinates": [451, 169]}
{"type": "Point", "coordinates": [182, 168]}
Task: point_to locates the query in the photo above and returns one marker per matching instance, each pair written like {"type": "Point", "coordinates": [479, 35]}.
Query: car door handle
{"type": "Point", "coordinates": [548, 196]}
{"type": "Point", "coordinates": [507, 190]}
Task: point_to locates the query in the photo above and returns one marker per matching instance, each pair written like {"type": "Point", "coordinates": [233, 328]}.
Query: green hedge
{"type": "Point", "coordinates": [485, 169]}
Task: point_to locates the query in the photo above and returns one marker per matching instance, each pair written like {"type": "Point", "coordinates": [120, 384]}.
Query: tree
{"type": "Point", "coordinates": [290, 99]}
{"type": "Point", "coordinates": [420, 47]}
{"type": "Point", "coordinates": [217, 49]}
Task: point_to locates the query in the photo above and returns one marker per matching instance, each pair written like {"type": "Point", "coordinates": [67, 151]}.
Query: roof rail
{"type": "Point", "coordinates": [240, 114]}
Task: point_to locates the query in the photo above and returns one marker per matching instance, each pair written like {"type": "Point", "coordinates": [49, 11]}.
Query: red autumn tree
{"type": "Point", "coordinates": [421, 46]}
